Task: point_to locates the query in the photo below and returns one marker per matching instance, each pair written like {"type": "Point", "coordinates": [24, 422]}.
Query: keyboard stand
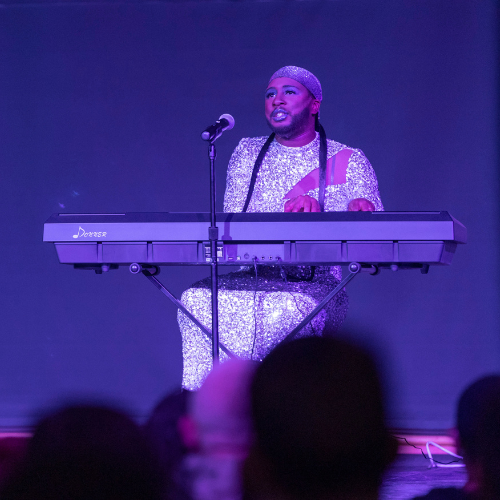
{"type": "Point", "coordinates": [151, 271]}
{"type": "Point", "coordinates": [354, 270]}
{"type": "Point", "coordinates": [157, 283]}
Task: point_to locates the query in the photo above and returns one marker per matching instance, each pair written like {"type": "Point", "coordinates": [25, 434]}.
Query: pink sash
{"type": "Point", "coordinates": [336, 168]}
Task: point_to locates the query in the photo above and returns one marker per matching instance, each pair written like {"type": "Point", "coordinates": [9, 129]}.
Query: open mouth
{"type": "Point", "coordinates": [278, 115]}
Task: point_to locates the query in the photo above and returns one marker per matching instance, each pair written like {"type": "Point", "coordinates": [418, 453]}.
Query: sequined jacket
{"type": "Point", "coordinates": [284, 166]}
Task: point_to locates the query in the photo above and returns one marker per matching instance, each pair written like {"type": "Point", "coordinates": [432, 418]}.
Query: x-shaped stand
{"type": "Point", "coordinates": [354, 270]}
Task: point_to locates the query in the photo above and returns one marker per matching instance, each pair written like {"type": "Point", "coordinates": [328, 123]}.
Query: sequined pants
{"type": "Point", "coordinates": [255, 314]}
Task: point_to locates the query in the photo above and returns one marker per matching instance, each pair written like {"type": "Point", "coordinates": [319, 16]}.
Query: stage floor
{"type": "Point", "coordinates": [410, 476]}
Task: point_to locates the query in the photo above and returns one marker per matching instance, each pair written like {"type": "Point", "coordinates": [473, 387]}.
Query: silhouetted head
{"type": "Point", "coordinates": [163, 430]}
{"type": "Point", "coordinates": [220, 409]}
{"type": "Point", "coordinates": [319, 421]}
{"type": "Point", "coordinates": [478, 424]}
{"type": "Point", "coordinates": [84, 452]}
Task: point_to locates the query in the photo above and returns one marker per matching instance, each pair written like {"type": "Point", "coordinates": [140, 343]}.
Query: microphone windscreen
{"type": "Point", "coordinates": [230, 120]}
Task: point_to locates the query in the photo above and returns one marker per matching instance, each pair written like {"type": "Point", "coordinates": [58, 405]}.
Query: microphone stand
{"type": "Point", "coordinates": [213, 236]}
{"type": "Point", "coordinates": [211, 134]}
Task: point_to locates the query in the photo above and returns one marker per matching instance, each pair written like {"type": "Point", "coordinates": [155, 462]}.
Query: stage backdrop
{"type": "Point", "coordinates": [101, 109]}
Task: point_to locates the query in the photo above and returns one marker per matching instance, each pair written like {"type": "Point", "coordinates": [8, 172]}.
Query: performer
{"type": "Point", "coordinates": [297, 170]}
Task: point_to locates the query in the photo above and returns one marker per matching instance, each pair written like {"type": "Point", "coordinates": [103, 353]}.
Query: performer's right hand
{"type": "Point", "coordinates": [302, 203]}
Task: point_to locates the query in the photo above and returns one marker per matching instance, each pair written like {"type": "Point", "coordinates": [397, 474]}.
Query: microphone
{"type": "Point", "coordinates": [225, 122]}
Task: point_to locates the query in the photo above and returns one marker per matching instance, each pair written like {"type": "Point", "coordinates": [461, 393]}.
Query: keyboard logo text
{"type": "Point", "coordinates": [89, 234]}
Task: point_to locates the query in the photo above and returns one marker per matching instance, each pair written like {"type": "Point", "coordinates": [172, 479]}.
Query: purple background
{"type": "Point", "coordinates": [101, 107]}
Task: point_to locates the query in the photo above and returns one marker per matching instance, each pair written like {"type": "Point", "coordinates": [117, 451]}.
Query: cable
{"type": "Point", "coordinates": [284, 277]}
{"type": "Point", "coordinates": [254, 308]}
{"type": "Point", "coordinates": [435, 463]}
{"type": "Point", "coordinates": [282, 271]}
{"type": "Point", "coordinates": [304, 314]}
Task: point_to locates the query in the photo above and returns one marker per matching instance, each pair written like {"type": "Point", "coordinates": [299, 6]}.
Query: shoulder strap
{"type": "Point", "coordinates": [256, 167]}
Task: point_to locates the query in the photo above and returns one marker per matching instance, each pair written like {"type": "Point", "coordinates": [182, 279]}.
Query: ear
{"type": "Point", "coordinates": [315, 105]}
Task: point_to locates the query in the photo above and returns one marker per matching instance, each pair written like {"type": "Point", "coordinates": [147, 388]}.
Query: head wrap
{"type": "Point", "coordinates": [302, 76]}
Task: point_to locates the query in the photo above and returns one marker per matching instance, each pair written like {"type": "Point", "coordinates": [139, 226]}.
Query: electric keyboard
{"type": "Point", "coordinates": [332, 238]}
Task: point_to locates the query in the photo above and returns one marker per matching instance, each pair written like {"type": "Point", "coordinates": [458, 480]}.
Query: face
{"type": "Point", "coordinates": [289, 108]}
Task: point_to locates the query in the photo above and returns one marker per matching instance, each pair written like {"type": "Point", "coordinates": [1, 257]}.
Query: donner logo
{"type": "Point", "coordinates": [90, 234]}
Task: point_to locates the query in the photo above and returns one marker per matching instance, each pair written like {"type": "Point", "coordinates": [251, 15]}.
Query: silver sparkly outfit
{"type": "Point", "coordinates": [258, 309]}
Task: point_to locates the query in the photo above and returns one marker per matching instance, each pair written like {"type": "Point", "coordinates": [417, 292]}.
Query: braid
{"type": "Point", "coordinates": [323, 147]}
{"type": "Point", "coordinates": [256, 169]}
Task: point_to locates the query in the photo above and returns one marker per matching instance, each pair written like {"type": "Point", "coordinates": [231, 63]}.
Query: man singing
{"type": "Point", "coordinates": [295, 169]}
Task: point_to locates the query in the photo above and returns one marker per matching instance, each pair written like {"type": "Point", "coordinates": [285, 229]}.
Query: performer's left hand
{"type": "Point", "coordinates": [302, 203]}
{"type": "Point", "coordinates": [361, 205]}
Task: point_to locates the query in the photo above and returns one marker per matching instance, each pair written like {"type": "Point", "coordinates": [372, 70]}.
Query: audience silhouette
{"type": "Point", "coordinates": [163, 429]}
{"type": "Point", "coordinates": [86, 452]}
{"type": "Point", "coordinates": [307, 422]}
{"type": "Point", "coordinates": [318, 413]}
{"type": "Point", "coordinates": [478, 429]}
